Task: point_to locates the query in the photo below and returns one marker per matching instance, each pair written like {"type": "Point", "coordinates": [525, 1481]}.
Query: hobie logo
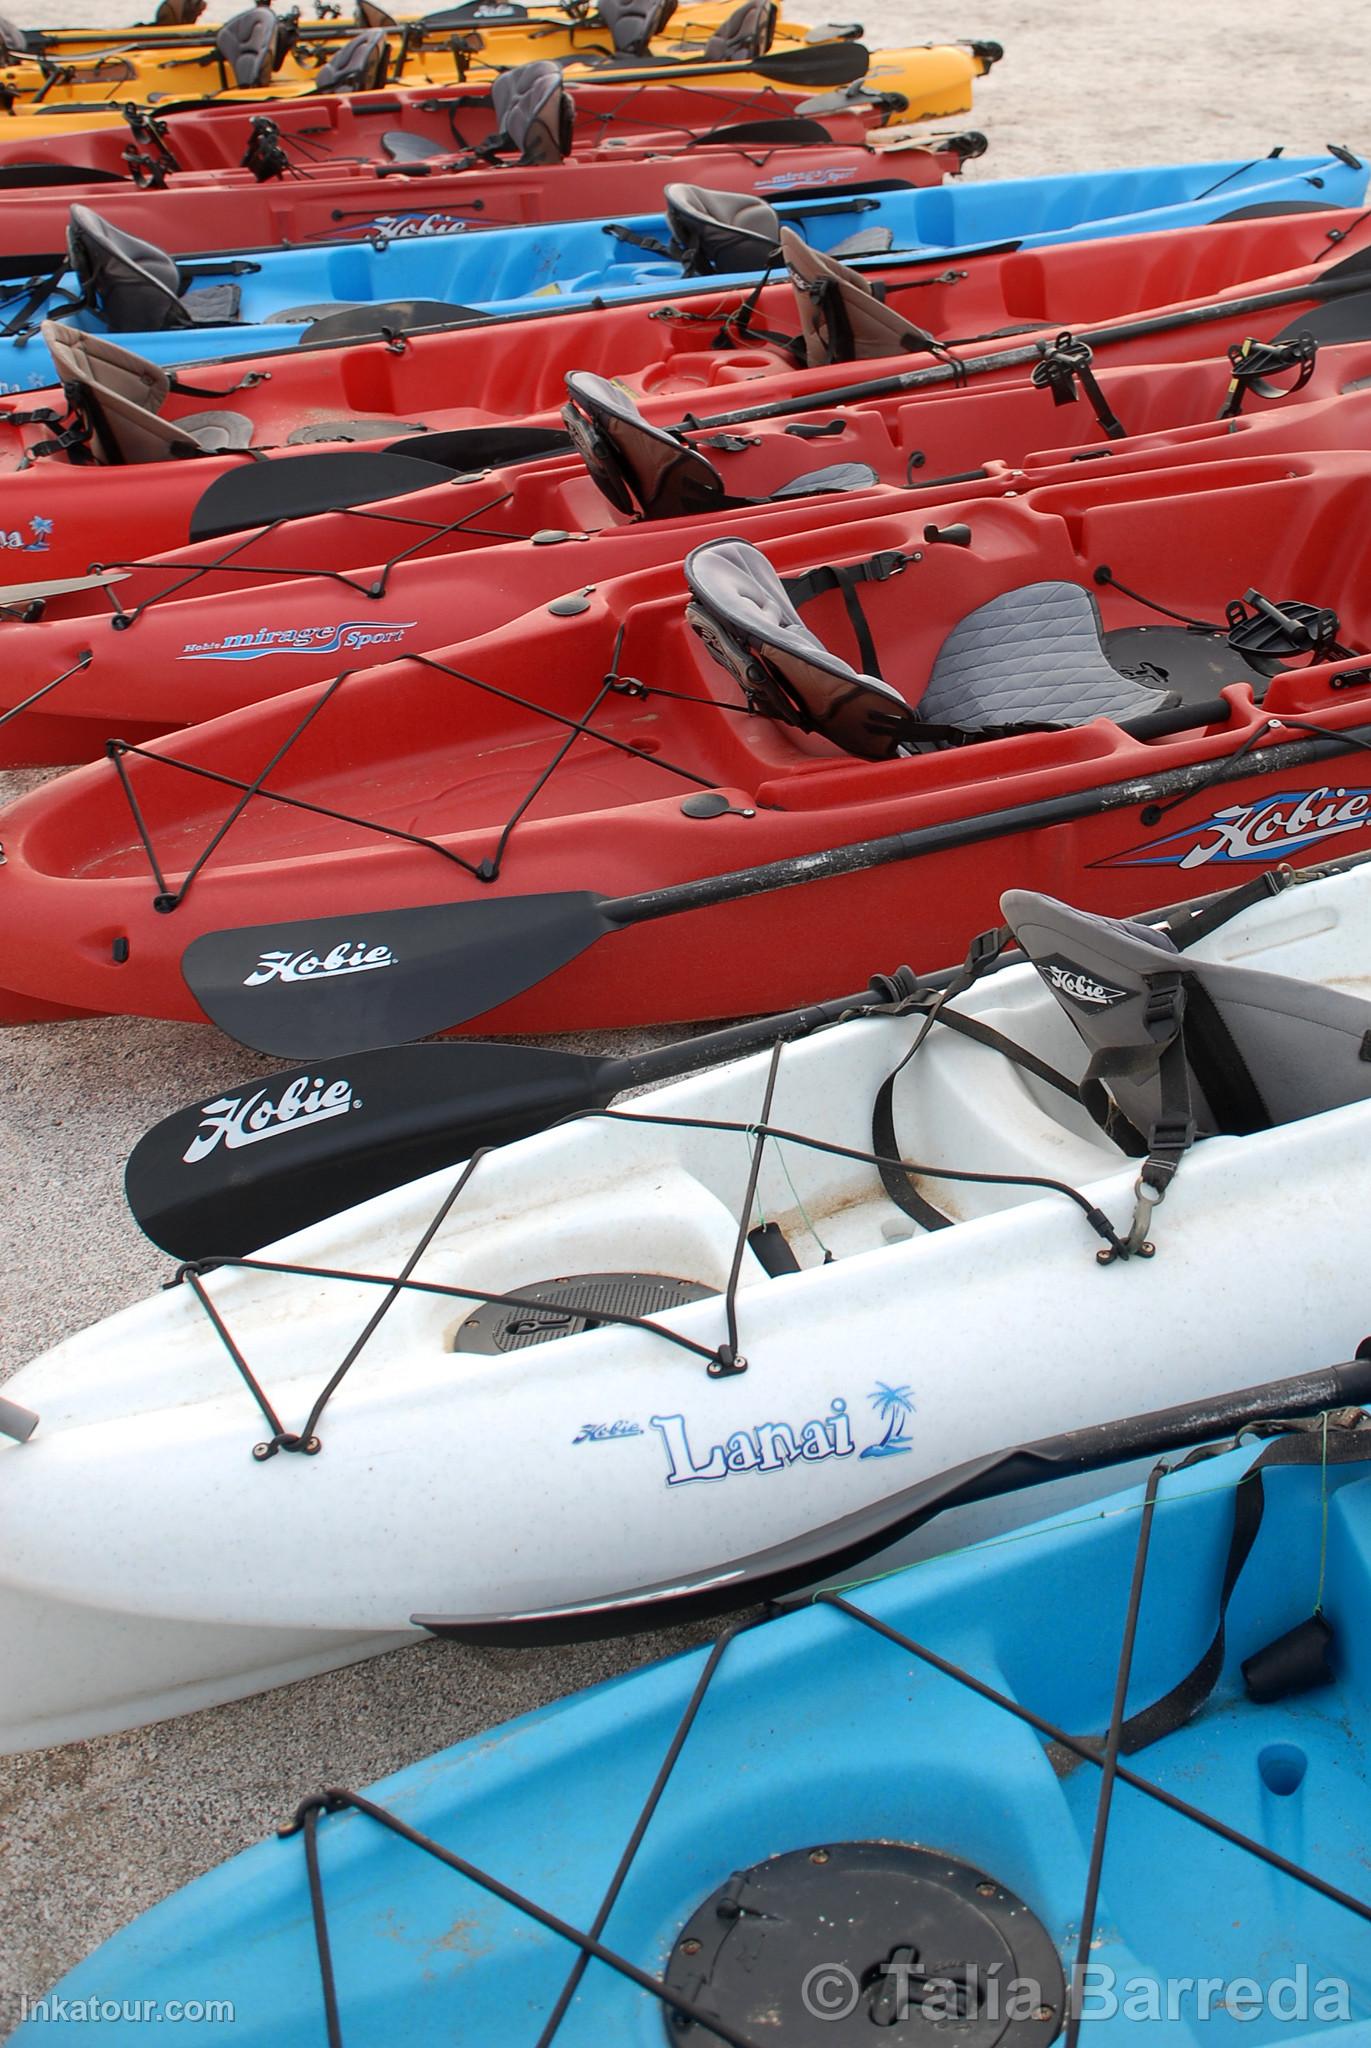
{"type": "Point", "coordinates": [1253, 834]}
{"type": "Point", "coordinates": [352, 957]}
{"type": "Point", "coordinates": [352, 634]}
{"type": "Point", "coordinates": [403, 227]}
{"type": "Point", "coordinates": [238, 1120]}
{"type": "Point", "coordinates": [1079, 985]}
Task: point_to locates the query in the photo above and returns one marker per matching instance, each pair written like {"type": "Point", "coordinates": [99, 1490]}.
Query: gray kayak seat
{"type": "Point", "coordinates": [633, 23]}
{"type": "Point", "coordinates": [843, 316]}
{"type": "Point", "coordinates": [533, 113]}
{"type": "Point", "coordinates": [746, 35]}
{"type": "Point", "coordinates": [746, 617]}
{"type": "Point", "coordinates": [13, 41]}
{"type": "Point", "coordinates": [1041, 645]}
{"type": "Point", "coordinates": [720, 232]}
{"type": "Point", "coordinates": [403, 148]}
{"type": "Point", "coordinates": [647, 472]}
{"type": "Point", "coordinates": [178, 13]}
{"type": "Point", "coordinates": [1181, 1048]}
{"type": "Point", "coordinates": [360, 66]}
{"type": "Point", "coordinates": [120, 397]}
{"type": "Point", "coordinates": [369, 15]}
{"type": "Point", "coordinates": [135, 286]}
{"type": "Point", "coordinates": [247, 46]}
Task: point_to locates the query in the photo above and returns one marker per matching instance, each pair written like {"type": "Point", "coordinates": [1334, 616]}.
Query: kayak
{"type": "Point", "coordinates": [463, 553]}
{"type": "Point", "coordinates": [102, 477]}
{"type": "Point", "coordinates": [602, 743]}
{"type": "Point", "coordinates": [930, 81]}
{"type": "Point", "coordinates": [343, 133]}
{"type": "Point", "coordinates": [255, 610]}
{"type": "Point", "coordinates": [691, 1419]}
{"type": "Point", "coordinates": [218, 213]}
{"type": "Point", "coordinates": [730, 1831]}
{"type": "Point", "coordinates": [188, 311]}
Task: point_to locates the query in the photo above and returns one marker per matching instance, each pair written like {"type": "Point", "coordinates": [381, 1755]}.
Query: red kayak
{"type": "Point", "coordinates": [1163, 297]}
{"type": "Point", "coordinates": [213, 627]}
{"type": "Point", "coordinates": [336, 132]}
{"type": "Point", "coordinates": [1101, 685]}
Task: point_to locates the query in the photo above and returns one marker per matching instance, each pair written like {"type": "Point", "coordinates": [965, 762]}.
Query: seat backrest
{"type": "Point", "coordinates": [134, 284]}
{"type": "Point", "coordinates": [842, 318]}
{"type": "Point", "coordinates": [639, 467]}
{"type": "Point", "coordinates": [369, 15]}
{"type": "Point", "coordinates": [721, 232]}
{"type": "Point", "coordinates": [633, 23]}
{"type": "Point", "coordinates": [745, 36]}
{"type": "Point", "coordinates": [743, 614]}
{"type": "Point", "coordinates": [533, 110]}
{"type": "Point", "coordinates": [247, 43]}
{"type": "Point", "coordinates": [178, 13]}
{"type": "Point", "coordinates": [360, 66]}
{"type": "Point", "coordinates": [119, 395]}
{"type": "Point", "coordinates": [1261, 1048]}
{"type": "Point", "coordinates": [13, 41]}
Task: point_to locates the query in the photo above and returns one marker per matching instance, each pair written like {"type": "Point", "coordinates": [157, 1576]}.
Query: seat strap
{"type": "Point", "coordinates": [648, 242]}
{"type": "Point", "coordinates": [1296, 1661]}
{"type": "Point", "coordinates": [846, 577]}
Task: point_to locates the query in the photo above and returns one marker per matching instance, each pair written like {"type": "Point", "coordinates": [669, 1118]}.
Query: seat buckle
{"type": "Point", "coordinates": [889, 563]}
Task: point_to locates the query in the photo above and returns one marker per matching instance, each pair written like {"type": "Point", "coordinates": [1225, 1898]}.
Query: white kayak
{"type": "Point", "coordinates": [151, 1563]}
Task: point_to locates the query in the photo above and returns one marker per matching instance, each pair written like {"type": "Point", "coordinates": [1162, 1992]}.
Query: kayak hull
{"type": "Point", "coordinates": [138, 1505]}
{"type": "Point", "coordinates": [796, 1745]}
{"type": "Point", "coordinates": [427, 780]}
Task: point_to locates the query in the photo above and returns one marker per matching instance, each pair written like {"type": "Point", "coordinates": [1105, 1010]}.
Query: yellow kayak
{"type": "Point", "coordinates": [254, 58]}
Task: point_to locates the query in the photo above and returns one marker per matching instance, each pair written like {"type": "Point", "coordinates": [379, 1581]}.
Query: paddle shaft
{"type": "Point", "coordinates": [832, 862]}
{"type": "Point", "coordinates": [841, 1545]}
{"type": "Point", "coordinates": [1028, 352]}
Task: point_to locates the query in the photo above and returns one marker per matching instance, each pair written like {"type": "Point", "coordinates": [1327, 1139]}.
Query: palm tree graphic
{"type": "Point", "coordinates": [894, 1406]}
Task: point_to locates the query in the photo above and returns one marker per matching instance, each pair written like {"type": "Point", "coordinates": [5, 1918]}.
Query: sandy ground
{"type": "Point", "coordinates": [92, 1833]}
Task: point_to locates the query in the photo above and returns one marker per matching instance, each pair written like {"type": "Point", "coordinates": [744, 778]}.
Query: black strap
{"type": "Point", "coordinates": [1223, 1074]}
{"type": "Point", "coordinates": [846, 576]}
{"type": "Point", "coordinates": [1317, 1445]}
{"type": "Point", "coordinates": [1164, 1055]}
{"type": "Point", "coordinates": [648, 242]}
{"type": "Point", "coordinates": [1066, 364]}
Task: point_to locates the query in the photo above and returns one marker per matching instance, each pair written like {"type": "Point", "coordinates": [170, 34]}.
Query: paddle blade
{"type": "Point", "coordinates": [258, 1161]}
{"type": "Point", "coordinates": [814, 64]}
{"type": "Point", "coordinates": [303, 486]}
{"type": "Point", "coordinates": [320, 987]}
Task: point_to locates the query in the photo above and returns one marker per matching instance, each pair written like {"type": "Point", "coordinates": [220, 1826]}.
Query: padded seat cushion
{"type": "Point", "coordinates": [1033, 655]}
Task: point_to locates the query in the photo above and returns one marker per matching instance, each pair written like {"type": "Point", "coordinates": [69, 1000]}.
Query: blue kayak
{"type": "Point", "coordinates": [255, 301]}
{"type": "Point", "coordinates": [883, 1812]}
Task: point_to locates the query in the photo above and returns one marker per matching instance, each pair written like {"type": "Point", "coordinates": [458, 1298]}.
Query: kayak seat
{"type": "Point", "coordinates": [120, 396]}
{"type": "Point", "coordinates": [246, 46]}
{"type": "Point", "coordinates": [647, 472]}
{"type": "Point", "coordinates": [361, 65]}
{"type": "Point", "coordinates": [720, 232]}
{"type": "Point", "coordinates": [135, 286]}
{"type": "Point", "coordinates": [843, 316]}
{"type": "Point", "coordinates": [746, 35]}
{"type": "Point", "coordinates": [633, 23]}
{"type": "Point", "coordinates": [373, 322]}
{"type": "Point", "coordinates": [1183, 1048]}
{"type": "Point", "coordinates": [1031, 659]}
{"type": "Point", "coordinates": [369, 15]}
{"type": "Point", "coordinates": [13, 41]}
{"type": "Point", "coordinates": [533, 114]}
{"type": "Point", "coordinates": [1034, 653]}
{"type": "Point", "coordinates": [179, 13]}
{"type": "Point", "coordinates": [403, 148]}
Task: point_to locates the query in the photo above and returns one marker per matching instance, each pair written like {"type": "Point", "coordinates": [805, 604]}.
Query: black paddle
{"type": "Point", "coordinates": [317, 987]}
{"type": "Point", "coordinates": [844, 1544]}
{"type": "Point", "coordinates": [266, 1158]}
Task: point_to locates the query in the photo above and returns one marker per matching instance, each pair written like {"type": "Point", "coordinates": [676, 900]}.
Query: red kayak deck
{"type": "Point", "coordinates": [559, 756]}
{"type": "Point", "coordinates": [985, 306]}
{"type": "Point", "coordinates": [335, 131]}
{"type": "Point", "coordinates": [214, 627]}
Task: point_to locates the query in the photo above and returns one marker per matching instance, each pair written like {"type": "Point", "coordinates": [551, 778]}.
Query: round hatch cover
{"type": "Point", "coordinates": [578, 1302]}
{"type": "Point", "coordinates": [819, 1947]}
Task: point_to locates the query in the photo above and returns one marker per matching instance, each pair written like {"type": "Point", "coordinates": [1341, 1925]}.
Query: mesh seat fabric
{"type": "Point", "coordinates": [1032, 655]}
{"type": "Point", "coordinates": [721, 232]}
